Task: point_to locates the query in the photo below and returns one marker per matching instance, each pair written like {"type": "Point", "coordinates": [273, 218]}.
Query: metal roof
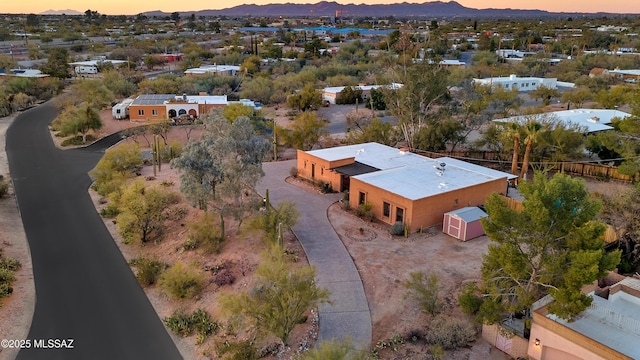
{"type": "Point", "coordinates": [468, 214]}
{"type": "Point", "coordinates": [410, 175]}
{"type": "Point", "coordinates": [354, 169]}
{"type": "Point", "coordinates": [592, 120]}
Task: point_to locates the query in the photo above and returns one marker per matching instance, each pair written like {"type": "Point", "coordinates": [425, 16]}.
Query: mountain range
{"type": "Point", "coordinates": [61, 12]}
{"type": "Point", "coordinates": [432, 9]}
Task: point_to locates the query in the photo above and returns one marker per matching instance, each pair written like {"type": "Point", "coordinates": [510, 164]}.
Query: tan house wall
{"type": "Point", "coordinates": [306, 162]}
{"type": "Point", "coordinates": [148, 112]}
{"type": "Point", "coordinates": [553, 335]}
{"type": "Point", "coordinates": [423, 212]}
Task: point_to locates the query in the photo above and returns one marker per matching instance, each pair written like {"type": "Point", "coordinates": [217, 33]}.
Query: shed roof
{"type": "Point", "coordinates": [468, 214]}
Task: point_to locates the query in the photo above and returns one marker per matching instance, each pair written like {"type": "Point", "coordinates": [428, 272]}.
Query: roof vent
{"type": "Point", "coordinates": [440, 169]}
{"type": "Point", "coordinates": [184, 96]}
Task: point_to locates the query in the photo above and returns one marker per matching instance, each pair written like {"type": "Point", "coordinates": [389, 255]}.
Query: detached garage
{"type": "Point", "coordinates": [464, 224]}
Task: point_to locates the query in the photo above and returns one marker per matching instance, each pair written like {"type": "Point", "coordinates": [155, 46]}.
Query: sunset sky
{"type": "Point", "coordinates": [132, 7]}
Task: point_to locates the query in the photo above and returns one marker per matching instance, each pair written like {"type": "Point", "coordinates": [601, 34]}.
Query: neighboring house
{"type": "Point", "coordinates": [401, 186]}
{"type": "Point", "coordinates": [591, 120]}
{"type": "Point", "coordinates": [518, 83]}
{"type": "Point", "coordinates": [92, 66]}
{"type": "Point", "coordinates": [331, 94]}
{"type": "Point", "coordinates": [169, 58]}
{"type": "Point", "coordinates": [28, 73]}
{"type": "Point", "coordinates": [149, 107]}
{"type": "Point", "coordinates": [632, 76]}
{"type": "Point", "coordinates": [206, 70]}
{"type": "Point", "coordinates": [168, 106]}
{"type": "Point", "coordinates": [608, 329]}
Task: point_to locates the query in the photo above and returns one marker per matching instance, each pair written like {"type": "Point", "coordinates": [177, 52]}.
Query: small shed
{"type": "Point", "coordinates": [464, 224]}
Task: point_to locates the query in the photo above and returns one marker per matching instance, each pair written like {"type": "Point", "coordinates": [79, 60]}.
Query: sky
{"type": "Point", "coordinates": [132, 7]}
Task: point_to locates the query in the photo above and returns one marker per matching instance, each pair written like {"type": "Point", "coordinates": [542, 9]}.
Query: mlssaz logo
{"type": "Point", "coordinates": [53, 344]}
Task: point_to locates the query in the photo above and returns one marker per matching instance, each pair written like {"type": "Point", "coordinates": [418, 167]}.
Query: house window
{"type": "Point", "coordinates": [141, 112]}
{"type": "Point", "coordinates": [362, 198]}
{"type": "Point", "coordinates": [386, 209]}
{"type": "Point", "coordinates": [455, 202]}
{"type": "Point", "coordinates": [400, 215]}
{"type": "Point", "coordinates": [154, 112]}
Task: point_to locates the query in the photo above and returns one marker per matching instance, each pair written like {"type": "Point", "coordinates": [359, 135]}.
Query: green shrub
{"type": "Point", "coordinates": [185, 324]}
{"type": "Point", "coordinates": [77, 140]}
{"type": "Point", "coordinates": [10, 264]}
{"type": "Point", "coordinates": [4, 187]}
{"type": "Point", "coordinates": [397, 229]}
{"type": "Point", "coordinates": [148, 270]}
{"type": "Point", "coordinates": [468, 300]}
{"type": "Point", "coordinates": [450, 332]}
{"type": "Point", "coordinates": [424, 289]}
{"type": "Point", "coordinates": [243, 350]}
{"type": "Point", "coordinates": [7, 277]}
{"type": "Point", "coordinates": [170, 152]}
{"type": "Point", "coordinates": [182, 281]}
{"type": "Point", "coordinates": [204, 233]}
{"type": "Point", "coordinates": [110, 212]}
{"type": "Point", "coordinates": [365, 211]}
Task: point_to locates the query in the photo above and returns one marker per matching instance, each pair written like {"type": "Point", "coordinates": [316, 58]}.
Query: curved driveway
{"type": "Point", "coordinates": [347, 316]}
{"type": "Point", "coordinates": [85, 290]}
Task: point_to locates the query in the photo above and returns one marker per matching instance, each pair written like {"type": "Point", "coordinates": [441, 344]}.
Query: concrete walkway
{"type": "Point", "coordinates": [347, 316]}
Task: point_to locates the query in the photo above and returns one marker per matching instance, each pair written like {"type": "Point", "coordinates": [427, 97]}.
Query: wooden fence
{"type": "Point", "coordinates": [583, 169]}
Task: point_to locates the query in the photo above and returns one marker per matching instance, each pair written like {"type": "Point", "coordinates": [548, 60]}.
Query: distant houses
{"type": "Point", "coordinates": [168, 106]}
{"type": "Point", "coordinates": [590, 120]}
{"type": "Point", "coordinates": [513, 82]}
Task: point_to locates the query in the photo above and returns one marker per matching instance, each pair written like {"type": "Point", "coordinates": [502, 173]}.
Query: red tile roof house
{"type": "Point", "coordinates": [401, 186]}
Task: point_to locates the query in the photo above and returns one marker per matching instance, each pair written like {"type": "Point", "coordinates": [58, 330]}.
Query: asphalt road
{"type": "Point", "coordinates": [85, 291]}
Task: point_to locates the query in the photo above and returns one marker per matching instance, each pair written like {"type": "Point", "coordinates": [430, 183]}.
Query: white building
{"type": "Point", "coordinates": [230, 70]}
{"type": "Point", "coordinates": [330, 94]}
{"type": "Point", "coordinates": [518, 83]}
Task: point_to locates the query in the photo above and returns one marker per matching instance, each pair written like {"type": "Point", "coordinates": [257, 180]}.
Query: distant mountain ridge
{"type": "Point", "coordinates": [60, 12]}
{"type": "Point", "coordinates": [432, 9]}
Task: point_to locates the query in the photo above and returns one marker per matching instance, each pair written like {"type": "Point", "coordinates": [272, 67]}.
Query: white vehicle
{"type": "Point", "coordinates": [121, 110]}
{"type": "Point", "coordinates": [86, 69]}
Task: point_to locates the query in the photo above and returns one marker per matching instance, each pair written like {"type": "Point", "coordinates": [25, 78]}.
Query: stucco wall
{"type": "Point", "coordinates": [424, 212]}
{"type": "Point", "coordinates": [557, 336]}
{"type": "Point", "coordinates": [148, 112]}
{"type": "Point", "coordinates": [306, 162]}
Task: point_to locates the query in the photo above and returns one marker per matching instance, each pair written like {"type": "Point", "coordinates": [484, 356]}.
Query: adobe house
{"type": "Point", "coordinates": [401, 186]}
{"type": "Point", "coordinates": [149, 107]}
{"type": "Point", "coordinates": [608, 329]}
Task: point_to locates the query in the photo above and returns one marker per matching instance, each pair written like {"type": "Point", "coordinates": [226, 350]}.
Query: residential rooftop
{"type": "Point", "coordinates": [410, 175]}
{"type": "Point", "coordinates": [614, 322]}
{"type": "Point", "coordinates": [593, 120]}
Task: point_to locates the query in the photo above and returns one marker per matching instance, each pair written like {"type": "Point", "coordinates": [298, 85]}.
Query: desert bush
{"type": "Point", "coordinates": [243, 350]}
{"type": "Point", "coordinates": [185, 324]}
{"type": "Point", "coordinates": [181, 281]}
{"type": "Point", "coordinates": [424, 289]}
{"type": "Point", "coordinates": [450, 332]}
{"type": "Point", "coordinates": [7, 277]}
{"type": "Point", "coordinates": [115, 167]}
{"type": "Point", "coordinates": [397, 229]}
{"type": "Point", "coordinates": [468, 300]}
{"type": "Point", "coordinates": [4, 187]}
{"type": "Point", "coordinates": [332, 350]}
{"type": "Point", "coordinates": [365, 211]}
{"type": "Point", "coordinates": [224, 277]}
{"type": "Point", "coordinates": [170, 152]}
{"type": "Point", "coordinates": [77, 140]}
{"type": "Point", "coordinates": [10, 264]}
{"type": "Point", "coordinates": [283, 216]}
{"type": "Point", "coordinates": [110, 212]}
{"type": "Point", "coordinates": [293, 171]}
{"type": "Point", "coordinates": [204, 234]}
{"type": "Point", "coordinates": [147, 270]}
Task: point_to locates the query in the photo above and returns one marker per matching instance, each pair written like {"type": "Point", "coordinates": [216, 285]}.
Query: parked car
{"type": "Point", "coordinates": [183, 119]}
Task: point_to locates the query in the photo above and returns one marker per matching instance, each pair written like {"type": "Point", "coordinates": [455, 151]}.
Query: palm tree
{"type": "Point", "coordinates": [532, 129]}
{"type": "Point", "coordinates": [513, 130]}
